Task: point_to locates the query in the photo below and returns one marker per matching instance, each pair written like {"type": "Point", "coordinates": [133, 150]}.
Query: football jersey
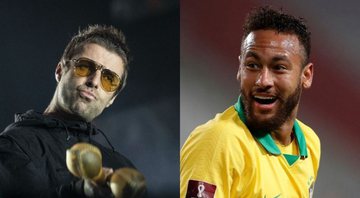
{"type": "Point", "coordinates": [223, 159]}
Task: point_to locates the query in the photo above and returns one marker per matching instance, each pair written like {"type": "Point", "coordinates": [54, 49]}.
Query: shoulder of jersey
{"type": "Point", "coordinates": [312, 140]}
{"type": "Point", "coordinates": [309, 134]}
{"type": "Point", "coordinates": [225, 125]}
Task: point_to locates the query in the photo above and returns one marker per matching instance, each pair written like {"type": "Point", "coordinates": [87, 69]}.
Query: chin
{"type": "Point", "coordinates": [264, 122]}
{"type": "Point", "coordinates": [263, 118]}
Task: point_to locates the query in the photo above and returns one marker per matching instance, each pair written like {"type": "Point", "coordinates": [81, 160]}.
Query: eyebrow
{"type": "Point", "coordinates": [280, 58]}
{"type": "Point", "coordinates": [252, 54]}
{"type": "Point", "coordinates": [274, 59]}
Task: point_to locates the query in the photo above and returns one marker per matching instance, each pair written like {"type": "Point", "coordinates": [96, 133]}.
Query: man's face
{"type": "Point", "coordinates": [84, 97]}
{"type": "Point", "coordinates": [271, 78]}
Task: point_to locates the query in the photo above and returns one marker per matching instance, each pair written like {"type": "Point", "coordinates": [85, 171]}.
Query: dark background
{"type": "Point", "coordinates": [143, 122]}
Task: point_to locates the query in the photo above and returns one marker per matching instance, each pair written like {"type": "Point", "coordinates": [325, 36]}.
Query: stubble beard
{"type": "Point", "coordinates": [87, 110]}
{"type": "Point", "coordinates": [80, 107]}
{"type": "Point", "coordinates": [282, 114]}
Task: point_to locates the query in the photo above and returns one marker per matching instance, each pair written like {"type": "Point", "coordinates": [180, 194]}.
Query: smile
{"type": "Point", "coordinates": [265, 99]}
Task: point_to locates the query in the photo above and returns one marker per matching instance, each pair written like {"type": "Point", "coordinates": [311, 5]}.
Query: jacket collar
{"type": "Point", "coordinates": [32, 117]}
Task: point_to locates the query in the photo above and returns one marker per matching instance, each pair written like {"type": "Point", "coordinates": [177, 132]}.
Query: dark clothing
{"type": "Point", "coordinates": [33, 155]}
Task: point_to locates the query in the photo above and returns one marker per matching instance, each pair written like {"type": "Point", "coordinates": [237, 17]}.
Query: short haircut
{"type": "Point", "coordinates": [108, 37]}
{"type": "Point", "coordinates": [266, 18]}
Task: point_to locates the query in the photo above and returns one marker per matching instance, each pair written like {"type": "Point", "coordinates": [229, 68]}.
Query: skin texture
{"type": "Point", "coordinates": [271, 65]}
{"type": "Point", "coordinates": [82, 98]}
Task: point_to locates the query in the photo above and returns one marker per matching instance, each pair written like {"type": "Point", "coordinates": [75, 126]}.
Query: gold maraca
{"type": "Point", "coordinates": [85, 161]}
{"type": "Point", "coordinates": [127, 183]}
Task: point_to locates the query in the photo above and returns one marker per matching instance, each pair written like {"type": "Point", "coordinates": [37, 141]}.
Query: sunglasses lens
{"type": "Point", "coordinates": [84, 68]}
{"type": "Point", "coordinates": [109, 80]}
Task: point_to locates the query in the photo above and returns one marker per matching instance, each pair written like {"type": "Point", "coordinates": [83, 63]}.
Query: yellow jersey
{"type": "Point", "coordinates": [223, 159]}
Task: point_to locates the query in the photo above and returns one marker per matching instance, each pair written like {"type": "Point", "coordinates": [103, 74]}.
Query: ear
{"type": "Point", "coordinates": [238, 73]}
{"type": "Point", "coordinates": [307, 75]}
{"type": "Point", "coordinates": [111, 101]}
{"type": "Point", "coordinates": [58, 72]}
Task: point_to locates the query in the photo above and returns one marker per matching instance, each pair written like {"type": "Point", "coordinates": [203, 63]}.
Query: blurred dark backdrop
{"type": "Point", "coordinates": [143, 123]}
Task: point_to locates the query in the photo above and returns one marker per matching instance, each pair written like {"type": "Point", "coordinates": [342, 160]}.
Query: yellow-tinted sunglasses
{"type": "Point", "coordinates": [84, 67]}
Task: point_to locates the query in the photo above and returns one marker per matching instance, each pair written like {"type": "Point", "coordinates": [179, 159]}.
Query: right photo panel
{"type": "Point", "coordinates": [269, 94]}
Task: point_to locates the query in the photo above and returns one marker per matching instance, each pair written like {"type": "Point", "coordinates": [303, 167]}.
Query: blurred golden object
{"type": "Point", "coordinates": [127, 183]}
{"type": "Point", "coordinates": [85, 161]}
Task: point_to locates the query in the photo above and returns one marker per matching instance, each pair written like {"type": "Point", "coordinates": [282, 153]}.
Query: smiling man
{"type": "Point", "coordinates": [90, 74]}
{"type": "Point", "coordinates": [257, 148]}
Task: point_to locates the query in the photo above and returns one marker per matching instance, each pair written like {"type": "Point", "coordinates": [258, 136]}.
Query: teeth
{"type": "Point", "coordinates": [264, 97]}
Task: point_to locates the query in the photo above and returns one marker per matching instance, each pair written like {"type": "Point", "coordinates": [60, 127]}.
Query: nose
{"type": "Point", "coordinates": [264, 79]}
{"type": "Point", "coordinates": [93, 80]}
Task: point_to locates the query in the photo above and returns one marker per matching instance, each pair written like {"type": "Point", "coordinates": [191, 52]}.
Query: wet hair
{"type": "Point", "coordinates": [108, 37]}
{"type": "Point", "coordinates": [266, 18]}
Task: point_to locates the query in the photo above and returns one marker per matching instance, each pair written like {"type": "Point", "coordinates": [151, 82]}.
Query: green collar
{"type": "Point", "coordinates": [266, 140]}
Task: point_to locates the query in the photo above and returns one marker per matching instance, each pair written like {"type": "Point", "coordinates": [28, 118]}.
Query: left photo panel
{"type": "Point", "coordinates": [90, 100]}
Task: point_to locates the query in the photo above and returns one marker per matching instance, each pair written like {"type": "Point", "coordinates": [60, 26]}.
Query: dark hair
{"type": "Point", "coordinates": [266, 18]}
{"type": "Point", "coordinates": [106, 36]}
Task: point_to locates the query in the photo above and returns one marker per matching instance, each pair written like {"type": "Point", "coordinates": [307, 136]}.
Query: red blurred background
{"type": "Point", "coordinates": [210, 40]}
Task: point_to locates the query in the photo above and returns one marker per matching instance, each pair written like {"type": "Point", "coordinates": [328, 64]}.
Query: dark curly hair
{"type": "Point", "coordinates": [108, 37]}
{"type": "Point", "coordinates": [266, 18]}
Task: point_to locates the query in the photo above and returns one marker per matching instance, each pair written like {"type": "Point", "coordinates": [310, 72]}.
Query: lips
{"type": "Point", "coordinates": [264, 99]}
{"type": "Point", "coordinates": [87, 95]}
{"type": "Point", "coordinates": [264, 102]}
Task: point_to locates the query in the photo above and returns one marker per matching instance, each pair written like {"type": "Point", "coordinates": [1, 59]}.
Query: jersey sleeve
{"type": "Point", "coordinates": [210, 164]}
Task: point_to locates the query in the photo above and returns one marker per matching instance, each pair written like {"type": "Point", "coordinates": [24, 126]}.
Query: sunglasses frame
{"type": "Point", "coordinates": [97, 67]}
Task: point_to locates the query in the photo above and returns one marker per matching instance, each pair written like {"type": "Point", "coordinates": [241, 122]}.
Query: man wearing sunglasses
{"type": "Point", "coordinates": [90, 74]}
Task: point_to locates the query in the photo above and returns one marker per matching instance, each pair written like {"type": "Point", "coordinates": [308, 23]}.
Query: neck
{"type": "Point", "coordinates": [284, 134]}
{"type": "Point", "coordinates": [55, 110]}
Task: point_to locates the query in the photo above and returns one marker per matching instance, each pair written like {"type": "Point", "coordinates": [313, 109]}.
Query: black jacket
{"type": "Point", "coordinates": [33, 156]}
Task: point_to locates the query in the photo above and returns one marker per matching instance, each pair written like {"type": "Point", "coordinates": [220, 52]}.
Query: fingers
{"type": "Point", "coordinates": [92, 190]}
{"type": "Point", "coordinates": [85, 161]}
{"type": "Point", "coordinates": [88, 188]}
{"type": "Point", "coordinates": [122, 183]}
{"type": "Point", "coordinates": [108, 172]}
{"type": "Point", "coordinates": [127, 182]}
